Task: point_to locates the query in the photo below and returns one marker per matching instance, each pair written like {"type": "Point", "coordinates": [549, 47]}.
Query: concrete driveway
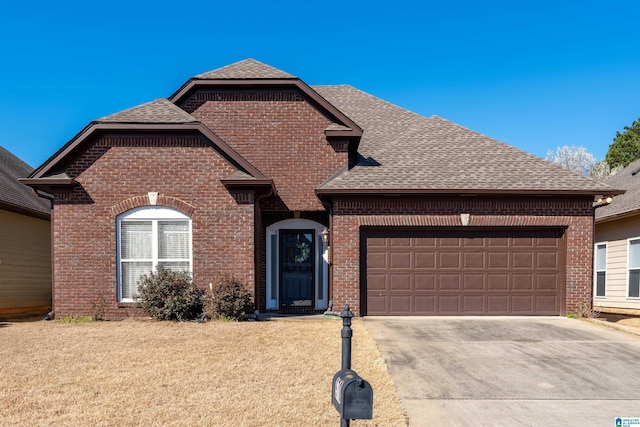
{"type": "Point", "coordinates": [507, 371]}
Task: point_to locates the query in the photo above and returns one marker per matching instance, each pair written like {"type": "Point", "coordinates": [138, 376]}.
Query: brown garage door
{"type": "Point", "coordinates": [463, 272]}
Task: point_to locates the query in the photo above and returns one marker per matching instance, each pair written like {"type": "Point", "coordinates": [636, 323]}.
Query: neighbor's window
{"type": "Point", "coordinates": [149, 237]}
{"type": "Point", "coordinates": [601, 269]}
{"type": "Point", "coordinates": [634, 268]}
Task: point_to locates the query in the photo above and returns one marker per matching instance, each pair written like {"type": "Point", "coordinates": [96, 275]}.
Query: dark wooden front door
{"type": "Point", "coordinates": [297, 257]}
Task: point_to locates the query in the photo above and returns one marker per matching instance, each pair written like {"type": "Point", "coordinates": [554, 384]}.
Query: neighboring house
{"type": "Point", "coordinates": [245, 170]}
{"type": "Point", "coordinates": [25, 242]}
{"type": "Point", "coordinates": [617, 246]}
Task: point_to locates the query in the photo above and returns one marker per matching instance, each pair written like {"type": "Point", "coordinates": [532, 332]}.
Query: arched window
{"type": "Point", "coordinates": [148, 237]}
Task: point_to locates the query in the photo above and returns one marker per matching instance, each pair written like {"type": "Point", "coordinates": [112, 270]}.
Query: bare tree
{"type": "Point", "coordinates": [578, 159]}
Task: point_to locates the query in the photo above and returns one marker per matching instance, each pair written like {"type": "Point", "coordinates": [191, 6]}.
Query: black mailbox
{"type": "Point", "coordinates": [352, 396]}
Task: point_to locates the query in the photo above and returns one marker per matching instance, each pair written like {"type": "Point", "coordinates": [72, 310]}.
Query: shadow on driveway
{"type": "Point", "coordinates": [525, 371]}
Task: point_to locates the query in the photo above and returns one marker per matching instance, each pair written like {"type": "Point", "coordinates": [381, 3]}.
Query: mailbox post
{"type": "Point", "coordinates": [347, 333]}
{"type": "Point", "coordinates": [352, 396]}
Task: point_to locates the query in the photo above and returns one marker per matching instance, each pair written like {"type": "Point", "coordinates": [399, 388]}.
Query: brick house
{"type": "Point", "coordinates": [314, 195]}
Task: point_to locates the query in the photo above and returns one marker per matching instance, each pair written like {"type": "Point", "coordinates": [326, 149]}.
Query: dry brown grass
{"type": "Point", "coordinates": [275, 373]}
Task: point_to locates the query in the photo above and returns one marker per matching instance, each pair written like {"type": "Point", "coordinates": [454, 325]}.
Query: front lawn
{"type": "Point", "coordinates": [134, 372]}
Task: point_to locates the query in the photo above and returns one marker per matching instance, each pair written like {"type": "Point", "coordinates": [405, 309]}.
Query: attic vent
{"type": "Point", "coordinates": [635, 171]}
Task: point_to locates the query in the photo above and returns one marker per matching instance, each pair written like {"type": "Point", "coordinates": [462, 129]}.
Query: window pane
{"type": "Point", "coordinates": [131, 273]}
{"type": "Point", "coordinates": [600, 283]}
{"type": "Point", "coordinates": [175, 266]}
{"type": "Point", "coordinates": [173, 239]}
{"type": "Point", "coordinates": [601, 257]}
{"type": "Point", "coordinates": [634, 283]}
{"type": "Point", "coordinates": [634, 254]}
{"type": "Point", "coordinates": [135, 241]}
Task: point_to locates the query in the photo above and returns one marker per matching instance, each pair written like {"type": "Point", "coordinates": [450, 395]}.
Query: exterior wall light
{"type": "Point", "coordinates": [325, 235]}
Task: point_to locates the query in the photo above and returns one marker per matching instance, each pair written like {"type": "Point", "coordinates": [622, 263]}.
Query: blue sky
{"type": "Point", "coordinates": [534, 74]}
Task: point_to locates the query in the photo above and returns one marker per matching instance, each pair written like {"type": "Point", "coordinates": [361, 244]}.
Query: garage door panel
{"type": "Point", "coordinates": [425, 305]}
{"type": "Point", "coordinates": [522, 304]}
{"type": "Point", "coordinates": [498, 242]}
{"type": "Point", "coordinates": [400, 260]}
{"type": "Point", "coordinates": [522, 242]}
{"type": "Point", "coordinates": [522, 260]}
{"type": "Point", "coordinates": [449, 282]}
{"type": "Point", "coordinates": [497, 304]}
{"type": "Point", "coordinates": [400, 282]}
{"type": "Point", "coordinates": [547, 282]}
{"type": "Point", "coordinates": [425, 260]}
{"type": "Point", "coordinates": [377, 282]}
{"type": "Point", "coordinates": [473, 304]}
{"type": "Point", "coordinates": [547, 260]}
{"type": "Point", "coordinates": [547, 304]}
{"type": "Point", "coordinates": [400, 242]}
{"type": "Point", "coordinates": [497, 282]}
{"type": "Point", "coordinates": [498, 260]}
{"type": "Point", "coordinates": [521, 282]}
{"type": "Point", "coordinates": [376, 260]}
{"type": "Point", "coordinates": [473, 260]}
{"type": "Point", "coordinates": [473, 282]}
{"type": "Point", "coordinates": [450, 260]}
{"type": "Point", "coordinates": [400, 304]}
{"type": "Point", "coordinates": [377, 304]}
{"type": "Point", "coordinates": [424, 282]}
{"type": "Point", "coordinates": [449, 304]}
{"type": "Point", "coordinates": [453, 272]}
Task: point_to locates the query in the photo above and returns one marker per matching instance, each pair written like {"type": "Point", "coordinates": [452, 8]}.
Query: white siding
{"type": "Point", "coordinates": [25, 261]}
{"type": "Point", "coordinates": [616, 233]}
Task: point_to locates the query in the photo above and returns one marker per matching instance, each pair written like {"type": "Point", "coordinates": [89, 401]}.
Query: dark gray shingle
{"type": "Point", "coordinates": [14, 193]}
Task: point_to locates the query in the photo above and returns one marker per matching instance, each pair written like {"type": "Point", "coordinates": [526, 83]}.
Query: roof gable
{"type": "Point", "coordinates": [246, 69]}
{"type": "Point", "coordinates": [15, 196]}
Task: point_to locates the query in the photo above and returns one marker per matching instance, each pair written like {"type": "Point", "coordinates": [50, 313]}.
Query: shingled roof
{"type": "Point", "coordinates": [246, 69]}
{"type": "Point", "coordinates": [15, 196]}
{"type": "Point", "coordinates": [627, 203]}
{"type": "Point", "coordinates": [404, 152]}
{"type": "Point", "coordinates": [159, 111]}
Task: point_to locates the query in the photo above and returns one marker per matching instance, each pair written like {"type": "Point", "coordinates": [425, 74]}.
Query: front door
{"type": "Point", "coordinates": [297, 258]}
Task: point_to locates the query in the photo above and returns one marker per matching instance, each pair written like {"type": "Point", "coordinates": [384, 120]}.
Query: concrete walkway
{"type": "Point", "coordinates": [525, 371]}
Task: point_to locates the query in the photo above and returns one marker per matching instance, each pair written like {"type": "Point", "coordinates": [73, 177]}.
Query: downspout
{"type": "Point", "coordinates": [50, 315]}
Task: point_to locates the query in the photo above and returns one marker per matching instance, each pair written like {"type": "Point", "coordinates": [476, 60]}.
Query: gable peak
{"type": "Point", "coordinates": [246, 69]}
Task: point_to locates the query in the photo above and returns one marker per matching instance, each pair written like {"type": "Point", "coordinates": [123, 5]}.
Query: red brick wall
{"type": "Point", "coordinates": [279, 133]}
{"type": "Point", "coordinates": [350, 215]}
{"type": "Point", "coordinates": [116, 173]}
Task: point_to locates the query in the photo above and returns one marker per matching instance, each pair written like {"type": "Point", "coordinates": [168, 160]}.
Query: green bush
{"type": "Point", "coordinates": [170, 295]}
{"type": "Point", "coordinates": [229, 300]}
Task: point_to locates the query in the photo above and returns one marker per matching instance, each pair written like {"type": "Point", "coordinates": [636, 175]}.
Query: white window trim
{"type": "Point", "coordinates": [322, 261]}
{"type": "Point", "coordinates": [153, 214]}
{"type": "Point", "coordinates": [629, 240]}
{"type": "Point", "coordinates": [596, 271]}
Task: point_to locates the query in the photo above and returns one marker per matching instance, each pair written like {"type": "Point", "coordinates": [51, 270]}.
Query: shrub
{"type": "Point", "coordinates": [229, 300]}
{"type": "Point", "coordinates": [170, 295]}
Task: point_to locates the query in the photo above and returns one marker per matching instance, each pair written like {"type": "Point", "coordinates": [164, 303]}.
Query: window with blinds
{"type": "Point", "coordinates": [147, 238]}
{"type": "Point", "coordinates": [634, 269]}
{"type": "Point", "coordinates": [601, 270]}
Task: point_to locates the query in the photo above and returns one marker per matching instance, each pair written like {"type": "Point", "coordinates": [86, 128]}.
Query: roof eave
{"type": "Point", "coordinates": [50, 185]}
{"type": "Point", "coordinates": [466, 192]}
{"type": "Point", "coordinates": [616, 217]}
{"type": "Point", "coordinates": [97, 126]}
{"type": "Point", "coordinates": [10, 207]}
